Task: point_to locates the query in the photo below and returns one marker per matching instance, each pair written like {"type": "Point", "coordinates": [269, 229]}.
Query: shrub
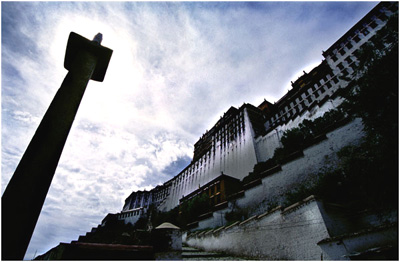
{"type": "Point", "coordinates": [191, 209]}
{"type": "Point", "coordinates": [236, 215]}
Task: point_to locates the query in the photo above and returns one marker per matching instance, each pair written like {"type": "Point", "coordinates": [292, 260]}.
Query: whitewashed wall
{"type": "Point", "coordinates": [266, 145]}
{"type": "Point", "coordinates": [235, 160]}
{"type": "Point", "coordinates": [289, 235]}
{"type": "Point", "coordinates": [301, 170]}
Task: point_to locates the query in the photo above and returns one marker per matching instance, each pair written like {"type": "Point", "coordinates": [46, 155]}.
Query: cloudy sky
{"type": "Point", "coordinates": [176, 68]}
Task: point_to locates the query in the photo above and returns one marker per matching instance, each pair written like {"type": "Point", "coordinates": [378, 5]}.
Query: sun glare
{"type": "Point", "coordinates": [103, 101]}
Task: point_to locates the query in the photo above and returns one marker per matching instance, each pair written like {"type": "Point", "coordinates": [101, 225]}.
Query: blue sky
{"type": "Point", "coordinates": [176, 68]}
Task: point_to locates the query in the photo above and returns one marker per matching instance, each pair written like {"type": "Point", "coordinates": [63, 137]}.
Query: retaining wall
{"type": "Point", "coordinates": [270, 191]}
{"type": "Point", "coordinates": [315, 158]}
{"type": "Point", "coordinates": [289, 234]}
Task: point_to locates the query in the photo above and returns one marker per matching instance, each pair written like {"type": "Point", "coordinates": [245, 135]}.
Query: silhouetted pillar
{"type": "Point", "coordinates": [24, 196]}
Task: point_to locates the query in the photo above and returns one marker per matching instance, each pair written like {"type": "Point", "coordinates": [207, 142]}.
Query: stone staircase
{"type": "Point", "coordinates": [82, 238]}
{"type": "Point", "coordinates": [191, 253]}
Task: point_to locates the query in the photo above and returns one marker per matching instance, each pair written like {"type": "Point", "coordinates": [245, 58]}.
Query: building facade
{"type": "Point", "coordinates": [249, 135]}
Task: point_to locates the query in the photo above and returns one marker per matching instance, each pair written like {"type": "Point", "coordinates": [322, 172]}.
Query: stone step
{"type": "Point", "coordinates": [201, 254]}
{"type": "Point", "coordinates": [190, 249]}
{"type": "Point", "coordinates": [191, 253]}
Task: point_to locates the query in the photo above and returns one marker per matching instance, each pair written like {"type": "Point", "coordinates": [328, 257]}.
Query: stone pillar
{"type": "Point", "coordinates": [24, 196]}
{"type": "Point", "coordinates": [167, 242]}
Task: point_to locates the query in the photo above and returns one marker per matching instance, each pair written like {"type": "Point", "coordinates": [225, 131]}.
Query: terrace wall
{"type": "Point", "coordinates": [288, 234]}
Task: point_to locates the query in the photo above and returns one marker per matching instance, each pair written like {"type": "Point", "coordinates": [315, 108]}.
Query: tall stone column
{"type": "Point", "coordinates": [24, 196]}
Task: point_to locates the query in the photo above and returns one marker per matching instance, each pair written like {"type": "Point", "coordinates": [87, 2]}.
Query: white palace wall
{"type": "Point", "coordinates": [235, 159]}
{"type": "Point", "coordinates": [272, 190]}
{"type": "Point", "coordinates": [266, 145]}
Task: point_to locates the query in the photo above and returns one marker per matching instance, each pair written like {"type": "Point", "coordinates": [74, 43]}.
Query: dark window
{"type": "Point", "coordinates": [357, 39]}
{"type": "Point", "coordinates": [383, 16]}
{"type": "Point", "coordinates": [342, 51]}
{"type": "Point", "coordinates": [349, 45]}
{"type": "Point", "coordinates": [341, 67]}
{"type": "Point", "coordinates": [365, 32]}
{"type": "Point", "coordinates": [348, 60]}
{"type": "Point", "coordinates": [373, 24]}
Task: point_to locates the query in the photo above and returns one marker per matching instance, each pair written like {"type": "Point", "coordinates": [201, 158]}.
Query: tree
{"type": "Point", "coordinates": [366, 174]}
{"type": "Point", "coordinates": [373, 96]}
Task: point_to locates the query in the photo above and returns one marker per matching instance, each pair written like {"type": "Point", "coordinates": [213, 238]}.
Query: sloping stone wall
{"type": "Point", "coordinates": [271, 190]}
{"type": "Point", "coordinates": [300, 170]}
{"type": "Point", "coordinates": [288, 234]}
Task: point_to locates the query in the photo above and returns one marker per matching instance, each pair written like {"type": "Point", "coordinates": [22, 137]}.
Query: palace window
{"type": "Point", "coordinates": [373, 24]}
{"type": "Point", "coordinates": [334, 57]}
{"type": "Point", "coordinates": [349, 45]}
{"type": "Point", "coordinates": [365, 31]}
{"type": "Point", "coordinates": [218, 199]}
{"type": "Point", "coordinates": [383, 15]}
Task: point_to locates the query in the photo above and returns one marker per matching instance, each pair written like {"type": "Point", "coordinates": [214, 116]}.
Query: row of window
{"type": "Point", "coordinates": [225, 138]}
{"type": "Point", "coordinates": [188, 178]}
{"type": "Point", "coordinates": [187, 181]}
{"type": "Point", "coordinates": [139, 200]}
{"type": "Point", "coordinates": [129, 214]}
{"type": "Point", "coordinates": [345, 47]}
{"type": "Point", "coordinates": [304, 100]}
{"type": "Point", "coordinates": [229, 132]}
{"type": "Point", "coordinates": [350, 66]}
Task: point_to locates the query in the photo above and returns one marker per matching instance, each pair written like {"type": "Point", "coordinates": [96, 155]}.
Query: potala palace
{"type": "Point", "coordinates": [247, 190]}
{"type": "Point", "coordinates": [250, 134]}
